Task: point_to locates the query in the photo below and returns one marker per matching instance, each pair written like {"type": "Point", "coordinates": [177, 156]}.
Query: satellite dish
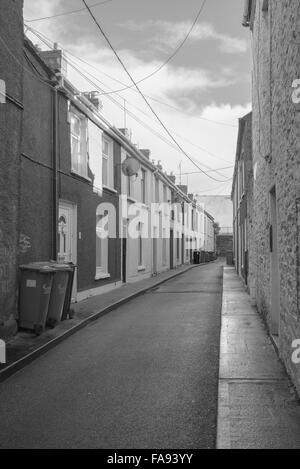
{"type": "Point", "coordinates": [130, 166]}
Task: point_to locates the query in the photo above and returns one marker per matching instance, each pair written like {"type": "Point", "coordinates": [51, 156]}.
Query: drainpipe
{"type": "Point", "coordinates": [55, 173]}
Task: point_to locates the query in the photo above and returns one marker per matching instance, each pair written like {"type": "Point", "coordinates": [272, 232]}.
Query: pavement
{"type": "Point", "coordinates": [25, 347]}
{"type": "Point", "coordinates": [143, 376]}
{"type": "Point", "coordinates": [257, 405]}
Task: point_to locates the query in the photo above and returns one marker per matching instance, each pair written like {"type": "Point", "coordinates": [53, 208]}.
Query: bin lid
{"type": "Point", "coordinates": [62, 267]}
{"type": "Point", "coordinates": [40, 267]}
{"type": "Point", "coordinates": [48, 265]}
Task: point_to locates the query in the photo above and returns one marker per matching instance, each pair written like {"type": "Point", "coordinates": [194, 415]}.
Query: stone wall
{"type": "Point", "coordinates": [276, 122]}
{"type": "Point", "coordinates": [11, 72]}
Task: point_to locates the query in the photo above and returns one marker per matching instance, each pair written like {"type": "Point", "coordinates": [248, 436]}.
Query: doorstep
{"type": "Point", "coordinates": [26, 346]}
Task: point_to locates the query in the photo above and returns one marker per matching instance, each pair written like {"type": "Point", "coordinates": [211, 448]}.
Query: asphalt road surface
{"type": "Point", "coordinates": [143, 376]}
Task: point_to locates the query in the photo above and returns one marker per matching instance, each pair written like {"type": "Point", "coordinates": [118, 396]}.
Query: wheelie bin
{"type": "Point", "coordinates": [196, 257]}
{"type": "Point", "coordinates": [67, 311]}
{"type": "Point", "coordinates": [60, 299]}
{"type": "Point", "coordinates": [58, 293]}
{"type": "Point", "coordinates": [34, 296]}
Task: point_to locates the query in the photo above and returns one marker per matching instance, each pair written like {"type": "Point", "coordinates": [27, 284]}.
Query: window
{"type": "Point", "coordinates": [156, 190]}
{"type": "Point", "coordinates": [140, 245]}
{"type": "Point", "coordinates": [107, 163]}
{"type": "Point", "coordinates": [143, 186]}
{"type": "Point", "coordinates": [101, 246]}
{"type": "Point", "coordinates": [160, 229]}
{"type": "Point", "coordinates": [165, 193]}
{"type": "Point", "coordinates": [129, 186]}
{"type": "Point", "coordinates": [79, 153]}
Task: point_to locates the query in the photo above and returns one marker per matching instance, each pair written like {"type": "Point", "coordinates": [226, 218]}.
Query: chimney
{"type": "Point", "coordinates": [172, 177]}
{"type": "Point", "coordinates": [126, 132]}
{"type": "Point", "coordinates": [93, 97]}
{"type": "Point", "coordinates": [159, 165]}
{"type": "Point", "coordinates": [146, 153]}
{"type": "Point", "coordinates": [55, 60]}
{"type": "Point", "coordinates": [183, 189]}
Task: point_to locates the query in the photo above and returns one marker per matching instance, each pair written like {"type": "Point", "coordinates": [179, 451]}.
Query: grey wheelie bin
{"type": "Point", "coordinates": [58, 293]}
{"type": "Point", "coordinates": [196, 257]}
{"type": "Point", "coordinates": [35, 291]}
{"type": "Point", "coordinates": [59, 304]}
{"type": "Point", "coordinates": [67, 311]}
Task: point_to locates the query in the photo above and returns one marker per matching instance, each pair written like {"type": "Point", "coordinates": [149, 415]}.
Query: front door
{"type": "Point", "coordinates": [67, 238]}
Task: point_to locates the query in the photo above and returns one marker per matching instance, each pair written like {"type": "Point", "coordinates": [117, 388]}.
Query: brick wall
{"type": "Point", "coordinates": [276, 164]}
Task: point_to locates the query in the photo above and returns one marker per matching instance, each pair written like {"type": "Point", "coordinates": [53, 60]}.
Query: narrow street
{"type": "Point", "coordinates": [143, 376]}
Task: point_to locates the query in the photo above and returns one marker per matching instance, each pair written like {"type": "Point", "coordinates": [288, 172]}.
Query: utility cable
{"type": "Point", "coordinates": [42, 36]}
{"type": "Point", "coordinates": [141, 93]}
{"type": "Point", "coordinates": [70, 12]}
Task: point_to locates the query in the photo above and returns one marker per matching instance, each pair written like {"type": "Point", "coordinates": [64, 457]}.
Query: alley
{"type": "Point", "coordinates": [143, 376]}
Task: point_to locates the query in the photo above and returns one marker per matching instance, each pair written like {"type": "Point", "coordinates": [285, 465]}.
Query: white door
{"type": "Point", "coordinates": [67, 238]}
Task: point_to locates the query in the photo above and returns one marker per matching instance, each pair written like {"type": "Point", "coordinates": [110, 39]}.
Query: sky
{"type": "Point", "coordinates": [199, 94]}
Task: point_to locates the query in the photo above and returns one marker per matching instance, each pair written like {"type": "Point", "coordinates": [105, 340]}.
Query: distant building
{"type": "Point", "coordinates": [220, 207]}
{"type": "Point", "coordinates": [242, 198]}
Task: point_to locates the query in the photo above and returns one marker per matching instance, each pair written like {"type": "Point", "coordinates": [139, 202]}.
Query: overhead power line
{"type": "Point", "coordinates": [146, 126]}
{"type": "Point", "coordinates": [175, 52]}
{"type": "Point", "coordinates": [74, 66]}
{"type": "Point", "coordinates": [159, 101]}
{"type": "Point", "coordinates": [141, 94]}
{"type": "Point", "coordinates": [70, 12]}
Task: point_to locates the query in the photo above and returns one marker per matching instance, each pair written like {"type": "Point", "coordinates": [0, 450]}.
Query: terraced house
{"type": "Point", "coordinates": [274, 192]}
{"type": "Point", "coordinates": [82, 192]}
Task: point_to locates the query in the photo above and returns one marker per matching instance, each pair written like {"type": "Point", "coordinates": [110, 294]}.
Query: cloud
{"type": "Point", "coordinates": [166, 33]}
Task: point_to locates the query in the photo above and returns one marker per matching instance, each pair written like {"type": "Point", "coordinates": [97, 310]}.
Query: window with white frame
{"type": "Point", "coordinates": [101, 245]}
{"type": "Point", "coordinates": [156, 190]}
{"type": "Point", "coordinates": [107, 163]}
{"type": "Point", "coordinates": [143, 186]}
{"type": "Point", "coordinates": [79, 151]}
{"type": "Point", "coordinates": [165, 196]}
{"type": "Point", "coordinates": [128, 186]}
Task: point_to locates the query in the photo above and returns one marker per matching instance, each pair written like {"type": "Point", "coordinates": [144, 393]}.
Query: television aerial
{"type": "Point", "coordinates": [130, 166]}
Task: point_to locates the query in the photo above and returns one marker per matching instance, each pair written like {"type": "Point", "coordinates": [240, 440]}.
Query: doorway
{"type": "Point", "coordinates": [67, 238]}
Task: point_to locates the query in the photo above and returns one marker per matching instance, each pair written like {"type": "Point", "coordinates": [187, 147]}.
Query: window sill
{"type": "Point", "coordinates": [109, 189]}
{"type": "Point", "coordinates": [131, 199]}
{"type": "Point", "coordinates": [80, 176]}
{"type": "Point", "coordinates": [141, 268]}
{"type": "Point", "coordinates": [102, 275]}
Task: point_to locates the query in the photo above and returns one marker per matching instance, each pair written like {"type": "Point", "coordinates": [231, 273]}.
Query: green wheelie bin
{"type": "Point", "coordinates": [34, 296]}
